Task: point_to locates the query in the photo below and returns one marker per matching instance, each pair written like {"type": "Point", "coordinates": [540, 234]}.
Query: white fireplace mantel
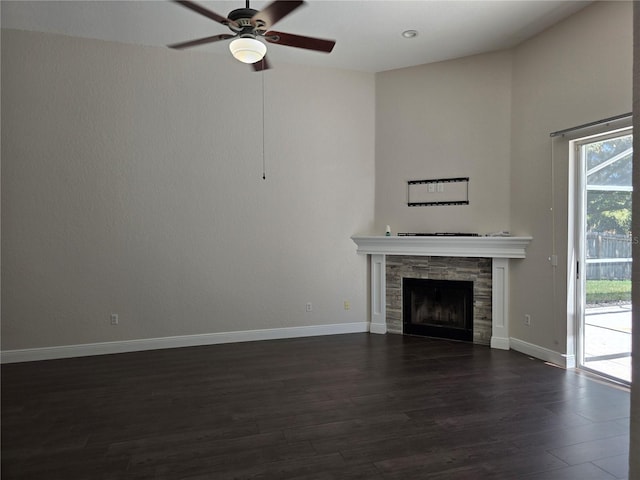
{"type": "Point", "coordinates": [443, 246]}
{"type": "Point", "coordinates": [499, 249]}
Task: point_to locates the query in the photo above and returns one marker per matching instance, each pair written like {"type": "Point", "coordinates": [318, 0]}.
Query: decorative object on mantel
{"type": "Point", "coordinates": [438, 234]}
{"type": "Point", "coordinates": [438, 191]}
{"type": "Point", "coordinates": [501, 233]}
{"type": "Point", "coordinates": [388, 231]}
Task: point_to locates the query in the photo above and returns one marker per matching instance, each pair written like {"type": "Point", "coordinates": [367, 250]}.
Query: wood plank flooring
{"type": "Point", "coordinates": [337, 407]}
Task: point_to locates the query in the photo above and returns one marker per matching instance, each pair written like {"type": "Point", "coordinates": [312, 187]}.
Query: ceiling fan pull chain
{"type": "Point", "coordinates": [264, 169]}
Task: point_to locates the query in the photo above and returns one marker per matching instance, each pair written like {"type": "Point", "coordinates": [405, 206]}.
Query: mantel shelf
{"type": "Point", "coordinates": [443, 246]}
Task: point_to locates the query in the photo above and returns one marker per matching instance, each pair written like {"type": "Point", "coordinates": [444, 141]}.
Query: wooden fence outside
{"type": "Point", "coordinates": [608, 256]}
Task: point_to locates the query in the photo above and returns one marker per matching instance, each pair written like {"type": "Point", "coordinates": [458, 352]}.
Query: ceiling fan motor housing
{"type": "Point", "coordinates": [243, 16]}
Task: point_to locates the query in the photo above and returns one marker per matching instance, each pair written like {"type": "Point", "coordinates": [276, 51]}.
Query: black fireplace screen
{"type": "Point", "coordinates": [438, 308]}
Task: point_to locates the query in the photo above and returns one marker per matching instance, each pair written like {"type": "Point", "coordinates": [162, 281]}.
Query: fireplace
{"type": "Point", "coordinates": [450, 258]}
{"type": "Point", "coordinates": [476, 271]}
{"type": "Point", "coordinates": [438, 308]}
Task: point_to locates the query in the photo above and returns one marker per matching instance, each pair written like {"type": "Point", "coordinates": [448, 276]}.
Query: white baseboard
{"type": "Point", "coordinates": [500, 343]}
{"type": "Point", "coordinates": [104, 348]}
{"type": "Point", "coordinates": [551, 356]}
{"type": "Point", "coordinates": [379, 328]}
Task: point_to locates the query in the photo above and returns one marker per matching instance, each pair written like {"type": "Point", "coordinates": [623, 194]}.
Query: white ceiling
{"type": "Point", "coordinates": [367, 32]}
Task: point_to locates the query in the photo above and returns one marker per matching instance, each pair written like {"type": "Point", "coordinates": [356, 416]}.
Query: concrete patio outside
{"type": "Point", "coordinates": [607, 342]}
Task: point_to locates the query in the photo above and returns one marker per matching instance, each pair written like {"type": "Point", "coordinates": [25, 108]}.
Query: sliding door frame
{"type": "Point", "coordinates": [579, 248]}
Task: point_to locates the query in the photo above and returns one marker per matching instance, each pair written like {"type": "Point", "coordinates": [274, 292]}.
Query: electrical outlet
{"type": "Point", "coordinates": [347, 305]}
{"type": "Point", "coordinates": [309, 307]}
{"type": "Point", "coordinates": [527, 320]}
{"type": "Point", "coordinates": [114, 319]}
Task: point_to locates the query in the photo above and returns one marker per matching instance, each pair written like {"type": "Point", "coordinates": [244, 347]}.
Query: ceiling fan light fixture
{"type": "Point", "coordinates": [248, 50]}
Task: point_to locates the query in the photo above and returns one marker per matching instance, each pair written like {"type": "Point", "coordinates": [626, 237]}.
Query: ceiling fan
{"type": "Point", "coordinates": [248, 25]}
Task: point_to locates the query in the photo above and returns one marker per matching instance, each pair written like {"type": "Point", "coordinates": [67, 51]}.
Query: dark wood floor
{"type": "Point", "coordinates": [337, 407]}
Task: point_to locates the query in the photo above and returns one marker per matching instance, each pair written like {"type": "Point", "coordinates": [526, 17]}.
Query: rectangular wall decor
{"type": "Point", "coordinates": [438, 191]}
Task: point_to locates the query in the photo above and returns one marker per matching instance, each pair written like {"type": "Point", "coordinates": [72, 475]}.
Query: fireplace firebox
{"type": "Point", "coordinates": [438, 308]}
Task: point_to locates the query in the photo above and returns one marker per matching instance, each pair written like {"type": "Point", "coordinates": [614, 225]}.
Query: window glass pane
{"type": "Point", "coordinates": [609, 162]}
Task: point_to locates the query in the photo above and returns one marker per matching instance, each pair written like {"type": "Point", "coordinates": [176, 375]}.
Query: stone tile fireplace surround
{"type": "Point", "coordinates": [477, 270]}
{"type": "Point", "coordinates": [484, 260]}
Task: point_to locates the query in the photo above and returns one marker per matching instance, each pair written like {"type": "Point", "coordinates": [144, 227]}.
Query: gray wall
{"type": "Point", "coordinates": [489, 117]}
{"type": "Point", "coordinates": [576, 72]}
{"type": "Point", "coordinates": [132, 184]}
{"type": "Point", "coordinates": [443, 120]}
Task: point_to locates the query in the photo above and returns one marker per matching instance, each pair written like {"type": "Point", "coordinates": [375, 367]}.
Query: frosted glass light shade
{"type": "Point", "coordinates": [248, 50]}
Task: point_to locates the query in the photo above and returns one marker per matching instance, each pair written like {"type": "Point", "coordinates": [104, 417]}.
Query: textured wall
{"type": "Point", "coordinates": [442, 120]}
{"type": "Point", "coordinates": [132, 183]}
{"type": "Point", "coordinates": [489, 117]}
{"type": "Point", "coordinates": [557, 84]}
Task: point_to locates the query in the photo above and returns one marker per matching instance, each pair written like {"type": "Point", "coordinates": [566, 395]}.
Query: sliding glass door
{"type": "Point", "coordinates": [604, 264]}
